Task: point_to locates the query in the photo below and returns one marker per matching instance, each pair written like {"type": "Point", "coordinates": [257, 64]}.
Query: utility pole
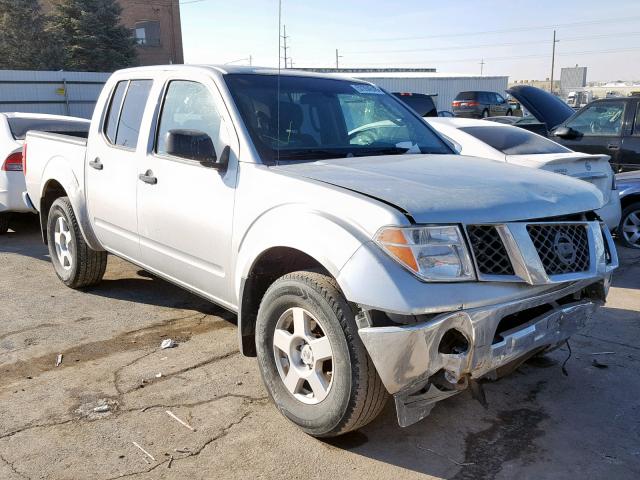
{"type": "Point", "coordinates": [553, 60]}
{"type": "Point", "coordinates": [285, 47]}
{"type": "Point", "coordinates": [338, 57]}
{"type": "Point", "coordinates": [482, 64]}
{"type": "Point", "coordinates": [250, 60]}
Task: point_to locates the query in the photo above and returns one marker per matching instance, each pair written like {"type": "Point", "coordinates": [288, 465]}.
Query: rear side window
{"type": "Point", "coordinates": [20, 126]}
{"type": "Point", "coordinates": [466, 96]}
{"type": "Point", "coordinates": [129, 100]}
{"type": "Point", "coordinates": [514, 140]}
{"type": "Point", "coordinates": [111, 124]}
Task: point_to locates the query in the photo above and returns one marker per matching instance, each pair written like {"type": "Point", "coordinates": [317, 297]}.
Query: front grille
{"type": "Point", "coordinates": [489, 251]}
{"type": "Point", "coordinates": [562, 248]}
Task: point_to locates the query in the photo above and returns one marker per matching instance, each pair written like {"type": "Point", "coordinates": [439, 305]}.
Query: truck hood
{"type": "Point", "coordinates": [545, 107]}
{"type": "Point", "coordinates": [455, 188]}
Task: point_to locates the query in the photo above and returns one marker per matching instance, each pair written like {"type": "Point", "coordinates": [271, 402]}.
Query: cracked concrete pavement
{"type": "Point", "coordinates": [539, 423]}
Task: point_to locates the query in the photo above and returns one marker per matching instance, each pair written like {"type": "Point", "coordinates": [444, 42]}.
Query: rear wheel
{"type": "Point", "coordinates": [485, 113]}
{"type": "Point", "coordinates": [629, 228]}
{"type": "Point", "coordinates": [4, 222]}
{"type": "Point", "coordinates": [77, 265]}
{"type": "Point", "coordinates": [311, 358]}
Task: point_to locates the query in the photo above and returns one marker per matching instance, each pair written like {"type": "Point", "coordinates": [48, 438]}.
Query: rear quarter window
{"type": "Point", "coordinates": [20, 126]}
{"type": "Point", "coordinates": [514, 140]}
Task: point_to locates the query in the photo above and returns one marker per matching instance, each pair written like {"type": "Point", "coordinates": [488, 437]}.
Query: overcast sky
{"type": "Point", "coordinates": [513, 36]}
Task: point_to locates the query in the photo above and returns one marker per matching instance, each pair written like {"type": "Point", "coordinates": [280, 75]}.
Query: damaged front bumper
{"type": "Point", "coordinates": [423, 364]}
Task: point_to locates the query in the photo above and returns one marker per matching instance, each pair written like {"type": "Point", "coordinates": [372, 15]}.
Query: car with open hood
{"type": "Point", "coordinates": [608, 126]}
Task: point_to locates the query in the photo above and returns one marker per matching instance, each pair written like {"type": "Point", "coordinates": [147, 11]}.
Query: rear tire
{"type": "Point", "coordinates": [485, 113]}
{"type": "Point", "coordinates": [352, 394]}
{"type": "Point", "coordinates": [75, 264]}
{"type": "Point", "coordinates": [4, 222]}
{"type": "Point", "coordinates": [629, 228]}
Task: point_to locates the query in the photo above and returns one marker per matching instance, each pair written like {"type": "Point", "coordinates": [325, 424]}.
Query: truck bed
{"type": "Point", "coordinates": [47, 150]}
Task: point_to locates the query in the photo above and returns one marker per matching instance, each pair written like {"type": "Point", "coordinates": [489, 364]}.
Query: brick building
{"type": "Point", "coordinates": [156, 26]}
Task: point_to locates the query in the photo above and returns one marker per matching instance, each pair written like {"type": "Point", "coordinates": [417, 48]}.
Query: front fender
{"type": "Point", "coordinates": [58, 169]}
{"type": "Point", "coordinates": [328, 239]}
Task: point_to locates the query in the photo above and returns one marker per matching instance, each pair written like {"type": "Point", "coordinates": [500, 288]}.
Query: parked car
{"type": "Point", "coordinates": [514, 145]}
{"type": "Point", "coordinates": [480, 105]}
{"type": "Point", "coordinates": [423, 104]}
{"type": "Point", "coordinates": [607, 126]}
{"type": "Point", "coordinates": [13, 128]}
{"type": "Point", "coordinates": [629, 189]}
{"type": "Point", "coordinates": [361, 258]}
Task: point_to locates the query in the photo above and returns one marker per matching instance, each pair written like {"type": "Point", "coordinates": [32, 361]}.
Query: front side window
{"type": "Point", "coordinates": [598, 119]}
{"type": "Point", "coordinates": [188, 106]}
{"type": "Point", "coordinates": [302, 118]}
{"type": "Point", "coordinates": [514, 141]}
{"type": "Point", "coordinates": [123, 124]}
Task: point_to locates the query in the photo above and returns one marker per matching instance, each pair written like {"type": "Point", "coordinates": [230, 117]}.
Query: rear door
{"type": "Point", "coordinates": [185, 217]}
{"type": "Point", "coordinates": [111, 170]}
{"type": "Point", "coordinates": [630, 151]}
{"type": "Point", "coordinates": [600, 126]}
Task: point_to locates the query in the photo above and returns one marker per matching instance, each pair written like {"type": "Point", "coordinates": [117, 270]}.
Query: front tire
{"type": "Point", "coordinates": [4, 223]}
{"type": "Point", "coordinates": [629, 228]}
{"type": "Point", "coordinates": [75, 263]}
{"type": "Point", "coordinates": [311, 358]}
{"type": "Point", "coordinates": [509, 113]}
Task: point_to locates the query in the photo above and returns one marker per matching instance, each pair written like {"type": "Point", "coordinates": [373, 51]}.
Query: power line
{"type": "Point", "coordinates": [505, 30]}
{"type": "Point", "coordinates": [490, 45]}
{"type": "Point", "coordinates": [514, 57]}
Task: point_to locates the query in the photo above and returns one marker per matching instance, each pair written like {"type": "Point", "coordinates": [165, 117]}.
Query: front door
{"type": "Point", "coordinates": [599, 127]}
{"type": "Point", "coordinates": [112, 170]}
{"type": "Point", "coordinates": [185, 213]}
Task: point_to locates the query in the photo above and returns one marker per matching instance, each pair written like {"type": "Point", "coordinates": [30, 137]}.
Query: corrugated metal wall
{"type": "Point", "coordinates": [446, 87]}
{"type": "Point", "coordinates": [60, 93]}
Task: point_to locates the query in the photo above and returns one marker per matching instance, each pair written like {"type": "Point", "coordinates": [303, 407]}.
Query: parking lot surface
{"type": "Point", "coordinates": [539, 423]}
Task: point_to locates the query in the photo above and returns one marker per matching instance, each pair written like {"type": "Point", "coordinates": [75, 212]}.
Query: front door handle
{"type": "Point", "coordinates": [613, 146]}
{"type": "Point", "coordinates": [148, 177]}
{"type": "Point", "coordinates": [96, 164]}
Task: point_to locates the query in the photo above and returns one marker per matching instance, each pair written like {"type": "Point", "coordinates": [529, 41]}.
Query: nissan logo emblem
{"type": "Point", "coordinates": [564, 248]}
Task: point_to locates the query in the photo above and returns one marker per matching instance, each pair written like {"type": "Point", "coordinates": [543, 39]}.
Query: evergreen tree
{"type": "Point", "coordinates": [91, 35]}
{"type": "Point", "coordinates": [24, 43]}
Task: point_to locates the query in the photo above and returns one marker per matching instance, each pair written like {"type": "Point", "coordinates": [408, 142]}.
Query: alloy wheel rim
{"type": "Point", "coordinates": [62, 241]}
{"type": "Point", "coordinates": [631, 228]}
{"type": "Point", "coordinates": [303, 355]}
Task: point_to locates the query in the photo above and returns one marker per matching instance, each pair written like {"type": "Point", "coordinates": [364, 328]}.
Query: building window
{"type": "Point", "coordinates": [147, 33]}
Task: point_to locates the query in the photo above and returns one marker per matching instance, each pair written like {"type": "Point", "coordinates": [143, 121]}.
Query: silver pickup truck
{"type": "Point", "coordinates": [361, 259]}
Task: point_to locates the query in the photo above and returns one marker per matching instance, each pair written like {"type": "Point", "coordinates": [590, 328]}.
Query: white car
{"type": "Point", "coordinates": [518, 146]}
{"type": "Point", "coordinates": [13, 128]}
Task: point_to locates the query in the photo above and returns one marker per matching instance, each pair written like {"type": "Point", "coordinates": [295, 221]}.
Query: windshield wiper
{"type": "Point", "coordinates": [326, 154]}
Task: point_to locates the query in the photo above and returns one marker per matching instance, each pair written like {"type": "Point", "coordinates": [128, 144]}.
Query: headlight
{"type": "Point", "coordinates": [434, 254]}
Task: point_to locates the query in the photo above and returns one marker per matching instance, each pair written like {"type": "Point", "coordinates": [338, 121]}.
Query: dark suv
{"type": "Point", "coordinates": [480, 105]}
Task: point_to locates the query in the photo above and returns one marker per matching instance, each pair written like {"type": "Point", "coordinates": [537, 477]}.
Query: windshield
{"type": "Point", "coordinates": [514, 141]}
{"type": "Point", "coordinates": [19, 126]}
{"type": "Point", "coordinates": [326, 118]}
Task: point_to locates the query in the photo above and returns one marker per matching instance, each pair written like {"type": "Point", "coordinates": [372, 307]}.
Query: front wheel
{"type": "Point", "coordinates": [4, 223]}
{"type": "Point", "coordinates": [629, 228]}
{"type": "Point", "coordinates": [311, 358]}
{"type": "Point", "coordinates": [75, 263]}
{"type": "Point", "coordinates": [509, 113]}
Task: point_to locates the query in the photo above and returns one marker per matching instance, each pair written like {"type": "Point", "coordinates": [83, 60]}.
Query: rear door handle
{"type": "Point", "coordinates": [613, 146]}
{"type": "Point", "coordinates": [148, 177]}
{"type": "Point", "coordinates": [96, 164]}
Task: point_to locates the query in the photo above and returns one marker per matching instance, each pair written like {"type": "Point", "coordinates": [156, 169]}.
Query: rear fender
{"type": "Point", "coordinates": [58, 170]}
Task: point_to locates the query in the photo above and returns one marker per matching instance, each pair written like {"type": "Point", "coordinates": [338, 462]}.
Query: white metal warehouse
{"type": "Point", "coordinates": [445, 85]}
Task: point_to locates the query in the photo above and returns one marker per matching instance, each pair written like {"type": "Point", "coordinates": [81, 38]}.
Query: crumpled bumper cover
{"type": "Point", "coordinates": [408, 358]}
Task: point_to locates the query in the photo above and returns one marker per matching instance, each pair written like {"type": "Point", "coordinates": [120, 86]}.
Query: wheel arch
{"type": "Point", "coordinates": [629, 199]}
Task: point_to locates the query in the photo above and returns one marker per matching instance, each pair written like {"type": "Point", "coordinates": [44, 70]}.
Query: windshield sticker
{"type": "Point", "coordinates": [369, 89]}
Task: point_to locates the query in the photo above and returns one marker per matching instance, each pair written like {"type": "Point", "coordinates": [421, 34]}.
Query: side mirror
{"type": "Point", "coordinates": [194, 145]}
{"type": "Point", "coordinates": [565, 132]}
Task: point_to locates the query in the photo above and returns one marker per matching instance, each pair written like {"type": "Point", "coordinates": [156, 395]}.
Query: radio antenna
{"type": "Point", "coordinates": [278, 81]}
